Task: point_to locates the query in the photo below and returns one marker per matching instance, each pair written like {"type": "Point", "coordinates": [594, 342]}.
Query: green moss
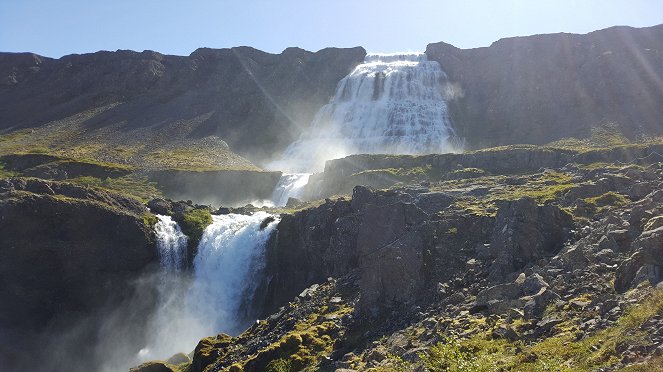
{"type": "Point", "coordinates": [601, 137]}
{"type": "Point", "coordinates": [606, 201]}
{"type": "Point", "coordinates": [561, 352]}
{"type": "Point", "coordinates": [193, 224]}
{"type": "Point", "coordinates": [39, 150]}
{"type": "Point", "coordinates": [279, 365]}
{"type": "Point", "coordinates": [544, 188]}
{"type": "Point", "coordinates": [454, 356]}
{"type": "Point", "coordinates": [199, 159]}
{"type": "Point", "coordinates": [602, 165]}
{"type": "Point", "coordinates": [149, 219]}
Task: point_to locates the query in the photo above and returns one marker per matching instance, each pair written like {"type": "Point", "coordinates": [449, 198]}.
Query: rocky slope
{"type": "Point", "coordinates": [541, 88]}
{"type": "Point", "coordinates": [553, 266]}
{"type": "Point", "coordinates": [254, 101]}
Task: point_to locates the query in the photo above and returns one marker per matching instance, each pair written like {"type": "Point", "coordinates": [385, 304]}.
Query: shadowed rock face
{"type": "Point", "coordinates": [538, 89]}
{"type": "Point", "coordinates": [254, 100]}
{"type": "Point", "coordinates": [65, 249]}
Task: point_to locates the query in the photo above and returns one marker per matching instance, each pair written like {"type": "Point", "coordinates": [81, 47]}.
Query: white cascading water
{"type": "Point", "coordinates": [208, 300]}
{"type": "Point", "coordinates": [230, 255]}
{"type": "Point", "coordinates": [391, 104]}
{"type": "Point", "coordinates": [171, 243]}
{"type": "Point", "coordinates": [291, 185]}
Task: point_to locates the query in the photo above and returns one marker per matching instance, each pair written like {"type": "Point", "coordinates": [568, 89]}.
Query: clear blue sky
{"type": "Point", "coordinates": [55, 28]}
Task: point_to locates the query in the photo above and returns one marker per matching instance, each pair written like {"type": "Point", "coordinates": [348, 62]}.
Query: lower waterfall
{"type": "Point", "coordinates": [211, 298]}
{"type": "Point", "coordinates": [171, 243]}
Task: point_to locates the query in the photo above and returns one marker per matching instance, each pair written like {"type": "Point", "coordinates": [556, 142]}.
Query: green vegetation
{"type": "Point", "coordinates": [193, 224]}
{"type": "Point", "coordinates": [304, 346]}
{"type": "Point", "coordinates": [450, 356]}
{"type": "Point", "coordinates": [149, 219]}
{"type": "Point", "coordinates": [608, 200]}
{"type": "Point", "coordinates": [423, 172]}
{"type": "Point", "coordinates": [544, 188]}
{"type": "Point", "coordinates": [467, 173]}
{"type": "Point", "coordinates": [197, 159]}
{"type": "Point", "coordinates": [5, 173]}
{"type": "Point", "coordinates": [279, 365]}
{"type": "Point", "coordinates": [560, 352]}
{"type": "Point", "coordinates": [68, 138]}
{"type": "Point", "coordinates": [605, 136]}
{"type": "Point", "coordinates": [297, 349]}
{"type": "Point", "coordinates": [138, 187]}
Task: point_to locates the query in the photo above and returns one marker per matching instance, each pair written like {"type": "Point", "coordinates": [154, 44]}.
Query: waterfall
{"type": "Point", "coordinates": [231, 254]}
{"type": "Point", "coordinates": [210, 298]}
{"type": "Point", "coordinates": [291, 185]}
{"type": "Point", "coordinates": [391, 104]}
{"type": "Point", "coordinates": [171, 243]}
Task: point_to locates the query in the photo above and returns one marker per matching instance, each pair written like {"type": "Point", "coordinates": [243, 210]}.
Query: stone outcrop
{"type": "Point", "coordinates": [645, 264]}
{"type": "Point", "coordinates": [381, 236]}
{"type": "Point", "coordinates": [525, 232]}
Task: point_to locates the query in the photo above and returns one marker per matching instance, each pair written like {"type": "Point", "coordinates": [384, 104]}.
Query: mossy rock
{"type": "Point", "coordinates": [194, 222]}
{"type": "Point", "coordinates": [208, 350]}
{"type": "Point", "coordinates": [149, 219]}
{"type": "Point", "coordinates": [606, 201]}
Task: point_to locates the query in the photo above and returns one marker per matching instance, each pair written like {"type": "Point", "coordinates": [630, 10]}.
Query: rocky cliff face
{"type": "Point", "coordinates": [546, 266]}
{"type": "Point", "coordinates": [533, 89]}
{"type": "Point", "coordinates": [541, 88]}
{"type": "Point", "coordinates": [256, 101]}
{"type": "Point", "coordinates": [65, 252]}
{"type": "Point", "coordinates": [382, 171]}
